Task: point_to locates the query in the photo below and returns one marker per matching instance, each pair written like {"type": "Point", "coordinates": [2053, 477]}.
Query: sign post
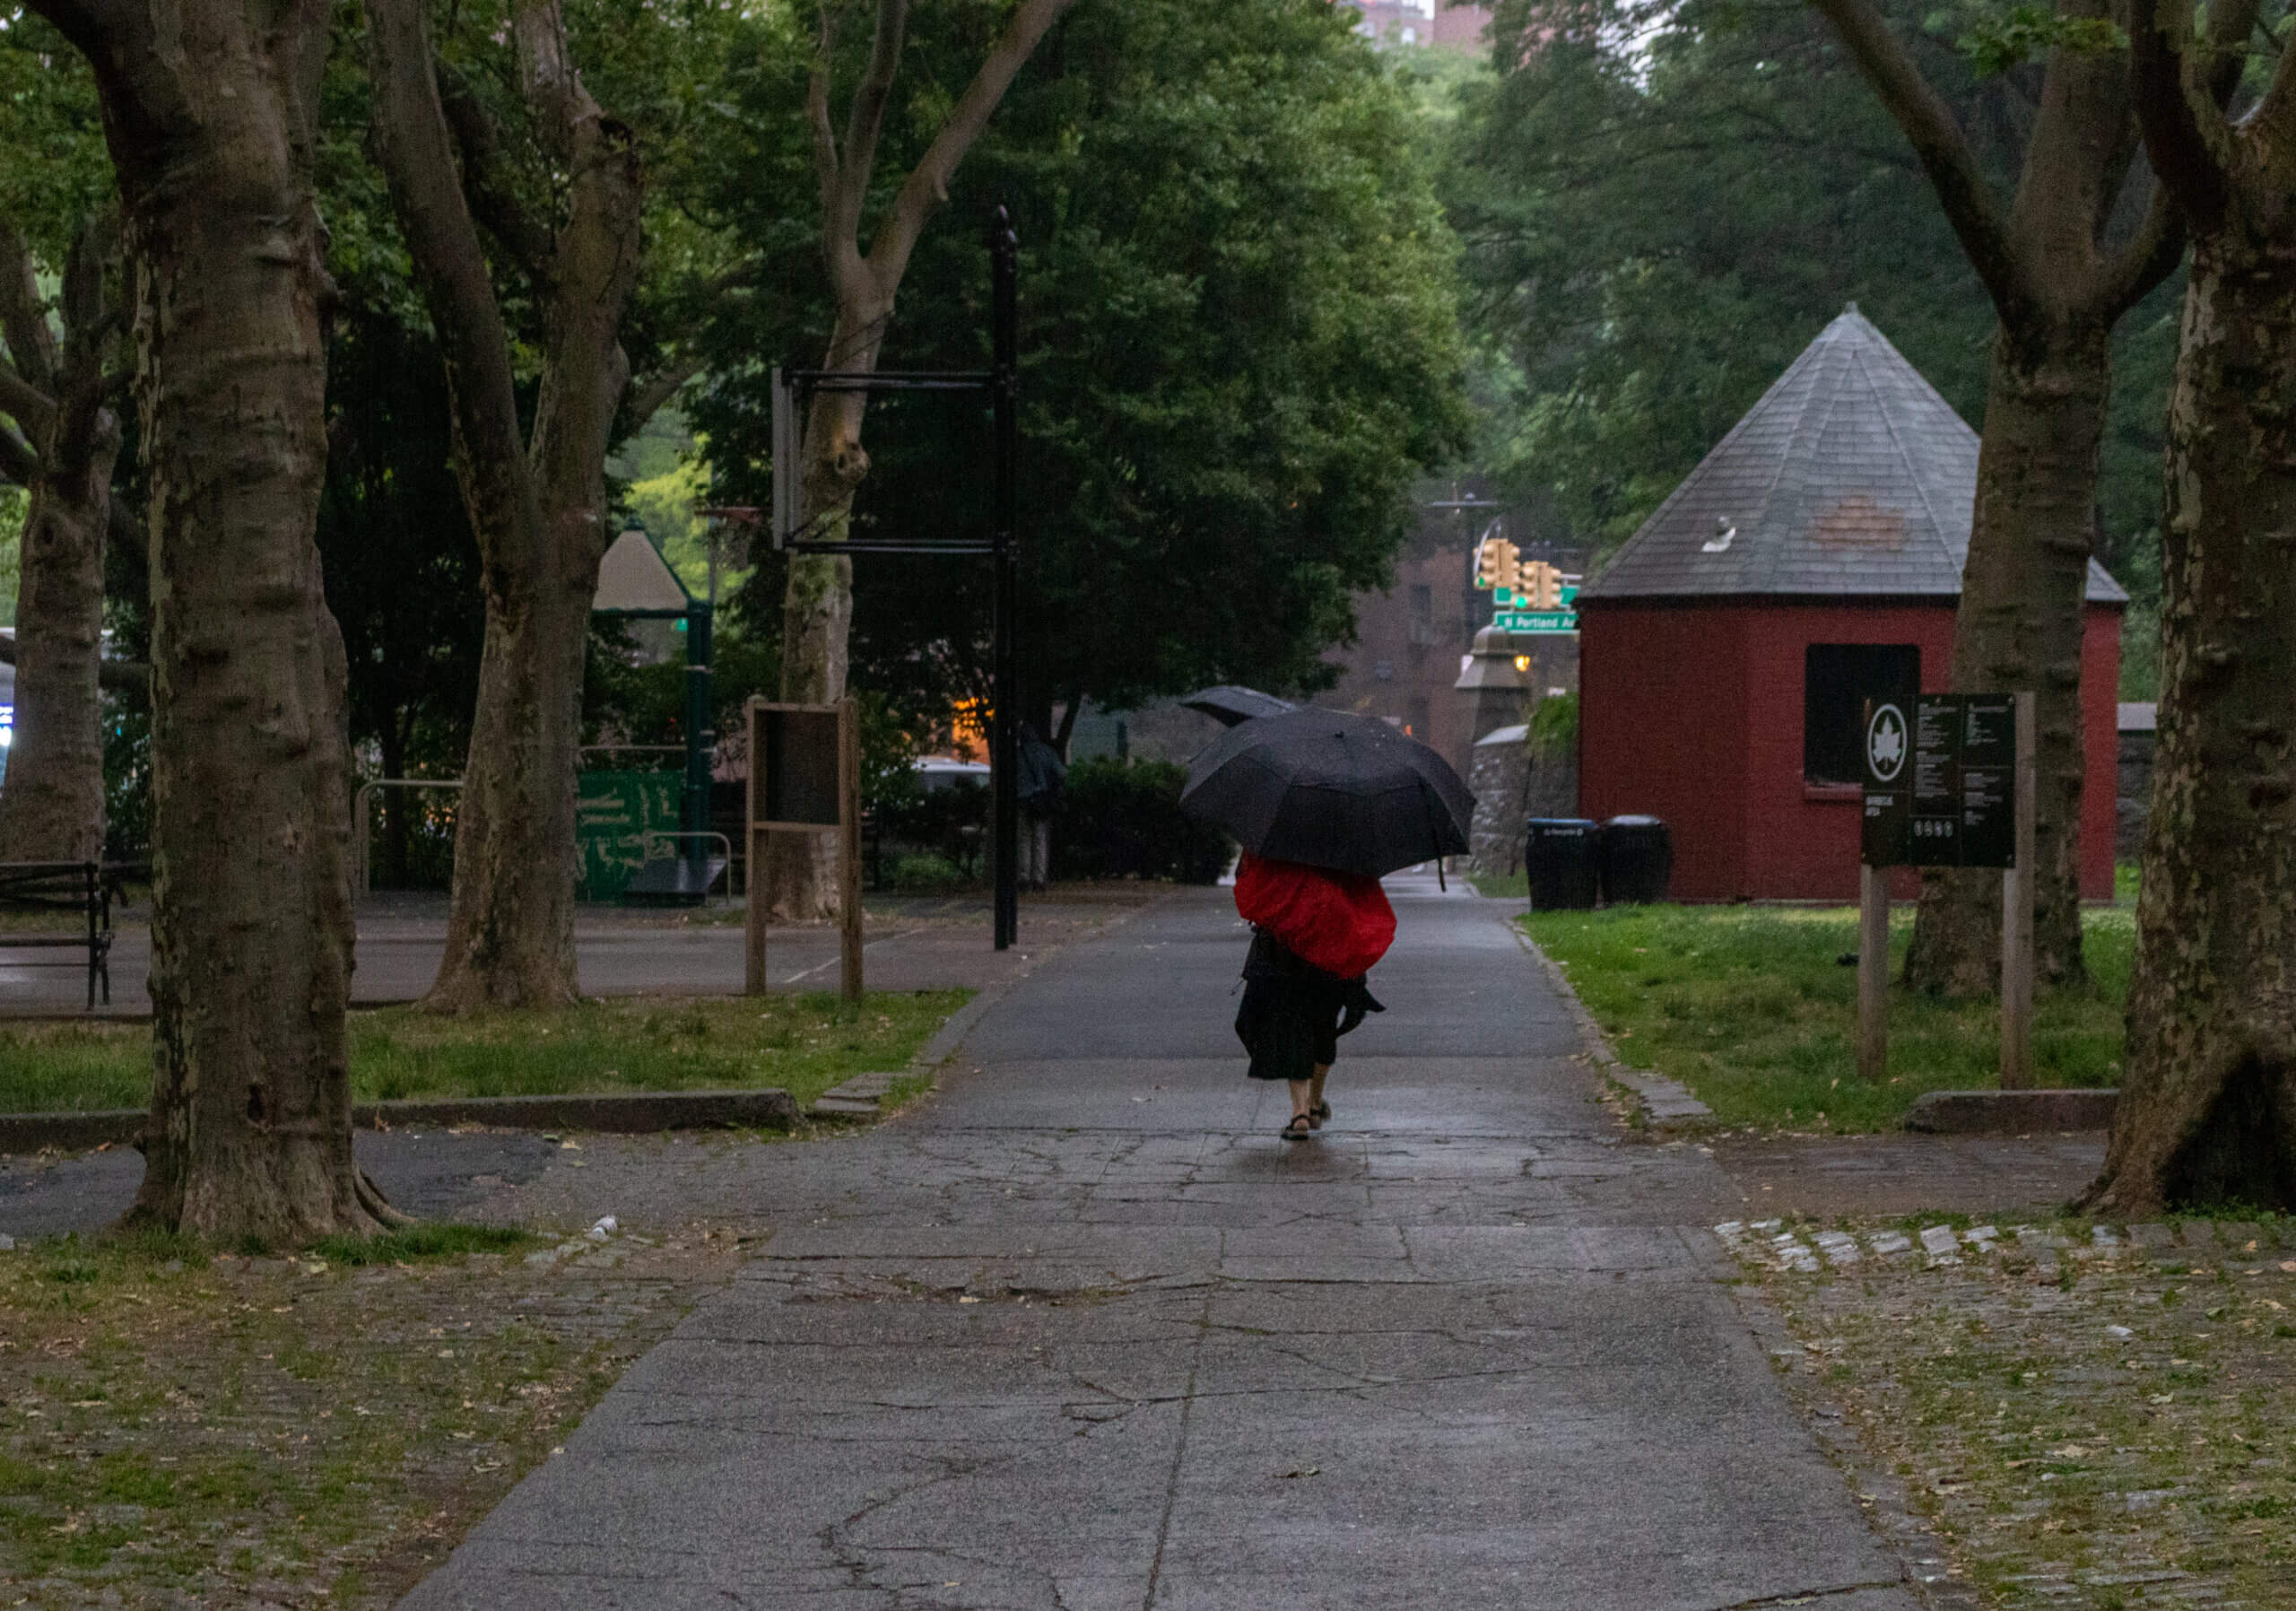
{"type": "Point", "coordinates": [2017, 912]}
{"type": "Point", "coordinates": [806, 777]}
{"type": "Point", "coordinates": [1949, 785]}
{"type": "Point", "coordinates": [1885, 840]}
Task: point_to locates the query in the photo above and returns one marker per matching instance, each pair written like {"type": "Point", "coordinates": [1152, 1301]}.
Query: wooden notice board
{"type": "Point", "coordinates": [1949, 783]}
{"type": "Point", "coordinates": [805, 778]}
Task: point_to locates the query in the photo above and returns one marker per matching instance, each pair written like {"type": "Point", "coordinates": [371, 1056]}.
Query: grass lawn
{"type": "Point", "coordinates": [1751, 1007]}
{"type": "Point", "coordinates": [804, 1043]}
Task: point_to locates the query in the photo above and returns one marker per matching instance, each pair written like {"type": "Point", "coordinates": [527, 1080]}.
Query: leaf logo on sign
{"type": "Point", "coordinates": [1885, 743]}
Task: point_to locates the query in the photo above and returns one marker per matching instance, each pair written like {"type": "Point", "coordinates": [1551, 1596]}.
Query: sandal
{"type": "Point", "coordinates": [1321, 1114]}
{"type": "Point", "coordinates": [1301, 1128]}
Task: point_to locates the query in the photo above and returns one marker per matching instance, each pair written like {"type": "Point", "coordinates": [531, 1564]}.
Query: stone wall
{"type": "Point", "coordinates": [1509, 789]}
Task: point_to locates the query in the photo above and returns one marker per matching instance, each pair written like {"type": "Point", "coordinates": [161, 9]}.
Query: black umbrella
{"type": "Point", "coordinates": [1332, 790]}
{"type": "Point", "coordinates": [1228, 704]}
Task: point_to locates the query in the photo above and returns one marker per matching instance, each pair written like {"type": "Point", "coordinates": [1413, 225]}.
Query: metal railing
{"type": "Point", "coordinates": [363, 826]}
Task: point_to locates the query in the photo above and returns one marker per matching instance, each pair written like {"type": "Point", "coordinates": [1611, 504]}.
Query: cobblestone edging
{"type": "Point", "coordinates": [1764, 1243]}
{"type": "Point", "coordinates": [1662, 1100]}
{"type": "Point", "coordinates": [1880, 1493]}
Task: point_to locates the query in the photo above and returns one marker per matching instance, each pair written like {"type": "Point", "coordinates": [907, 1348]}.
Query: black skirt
{"type": "Point", "coordinates": [1293, 1013]}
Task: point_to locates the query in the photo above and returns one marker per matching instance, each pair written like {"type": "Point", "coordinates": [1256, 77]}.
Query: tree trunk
{"type": "Point", "coordinates": [2207, 1112]}
{"type": "Point", "coordinates": [537, 507]}
{"type": "Point", "coordinates": [210, 112]}
{"type": "Point", "coordinates": [799, 881]}
{"type": "Point", "coordinates": [2023, 618]}
{"type": "Point", "coordinates": [511, 925]}
{"type": "Point", "coordinates": [52, 802]}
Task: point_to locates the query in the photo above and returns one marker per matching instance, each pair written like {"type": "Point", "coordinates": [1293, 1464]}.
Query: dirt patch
{"type": "Point", "coordinates": [2101, 1427]}
{"type": "Point", "coordinates": [180, 1431]}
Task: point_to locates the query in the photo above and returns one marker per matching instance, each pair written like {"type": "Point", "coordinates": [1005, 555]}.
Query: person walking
{"type": "Point", "coordinates": [1316, 935]}
{"type": "Point", "coordinates": [1043, 791]}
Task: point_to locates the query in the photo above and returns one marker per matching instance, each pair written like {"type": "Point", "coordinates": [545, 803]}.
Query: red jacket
{"type": "Point", "coordinates": [1339, 921]}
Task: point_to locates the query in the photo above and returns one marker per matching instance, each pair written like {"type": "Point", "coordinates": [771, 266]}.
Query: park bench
{"type": "Point", "coordinates": [81, 887]}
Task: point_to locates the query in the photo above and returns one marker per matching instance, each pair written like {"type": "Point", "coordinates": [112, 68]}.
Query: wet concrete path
{"type": "Point", "coordinates": [1084, 1334]}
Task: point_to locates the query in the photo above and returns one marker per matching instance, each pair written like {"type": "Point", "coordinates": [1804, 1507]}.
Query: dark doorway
{"type": "Point", "coordinates": [1837, 680]}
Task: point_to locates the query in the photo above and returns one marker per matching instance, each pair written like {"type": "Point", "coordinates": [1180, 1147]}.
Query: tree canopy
{"type": "Point", "coordinates": [1659, 214]}
{"type": "Point", "coordinates": [1239, 346]}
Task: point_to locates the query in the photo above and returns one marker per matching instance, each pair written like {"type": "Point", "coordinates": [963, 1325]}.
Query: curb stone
{"type": "Point", "coordinates": [2011, 1112]}
{"type": "Point", "coordinates": [631, 1113]}
{"type": "Point", "coordinates": [1662, 1100]}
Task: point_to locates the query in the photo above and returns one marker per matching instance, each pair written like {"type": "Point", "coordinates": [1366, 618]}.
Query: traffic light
{"type": "Point", "coordinates": [1496, 564]}
{"type": "Point", "coordinates": [1544, 583]}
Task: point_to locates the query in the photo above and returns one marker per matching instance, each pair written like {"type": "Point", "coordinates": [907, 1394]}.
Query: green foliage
{"type": "Point", "coordinates": [1124, 820]}
{"type": "Point", "coordinates": [1751, 1009]}
{"type": "Point", "coordinates": [1658, 218]}
{"type": "Point", "coordinates": [804, 1043]}
{"type": "Point", "coordinates": [14, 505]}
{"type": "Point", "coordinates": [58, 174]}
{"type": "Point", "coordinates": [1997, 40]}
{"type": "Point", "coordinates": [1236, 316]}
{"type": "Point", "coordinates": [1554, 727]}
{"type": "Point", "coordinates": [410, 1243]}
{"type": "Point", "coordinates": [951, 823]}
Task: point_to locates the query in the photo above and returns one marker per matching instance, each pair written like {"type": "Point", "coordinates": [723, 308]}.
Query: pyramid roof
{"type": "Point", "coordinates": [1850, 477]}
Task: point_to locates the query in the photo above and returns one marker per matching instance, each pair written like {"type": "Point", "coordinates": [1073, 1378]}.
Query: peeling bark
{"type": "Point", "coordinates": [537, 505]}
{"type": "Point", "coordinates": [798, 881]}
{"type": "Point", "coordinates": [2208, 1094]}
{"type": "Point", "coordinates": [2022, 617]}
{"type": "Point", "coordinates": [52, 802]}
{"type": "Point", "coordinates": [2059, 286]}
{"type": "Point", "coordinates": [2207, 1112]}
{"type": "Point", "coordinates": [209, 112]}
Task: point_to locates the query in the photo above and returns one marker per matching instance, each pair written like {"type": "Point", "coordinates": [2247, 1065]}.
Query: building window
{"type": "Point", "coordinates": [1422, 616]}
{"type": "Point", "coordinates": [1417, 725]}
{"type": "Point", "coordinates": [1837, 680]}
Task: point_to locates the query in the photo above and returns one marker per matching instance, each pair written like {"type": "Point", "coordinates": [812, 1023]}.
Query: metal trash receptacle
{"type": "Point", "coordinates": [1638, 860]}
{"type": "Point", "coordinates": [1560, 854]}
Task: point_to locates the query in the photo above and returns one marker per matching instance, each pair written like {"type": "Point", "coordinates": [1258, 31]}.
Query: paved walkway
{"type": "Point", "coordinates": [910, 944]}
{"type": "Point", "coordinates": [1081, 1333]}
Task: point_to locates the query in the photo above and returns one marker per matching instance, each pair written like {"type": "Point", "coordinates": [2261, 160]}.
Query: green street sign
{"type": "Point", "coordinates": [1536, 620]}
{"type": "Point", "coordinates": [1508, 598]}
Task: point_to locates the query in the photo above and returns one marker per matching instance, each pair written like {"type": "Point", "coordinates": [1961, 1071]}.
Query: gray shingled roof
{"type": "Point", "coordinates": [1850, 477]}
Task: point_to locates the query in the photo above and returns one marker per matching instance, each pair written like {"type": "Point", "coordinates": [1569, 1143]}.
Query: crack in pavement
{"type": "Point", "coordinates": [1179, 1456]}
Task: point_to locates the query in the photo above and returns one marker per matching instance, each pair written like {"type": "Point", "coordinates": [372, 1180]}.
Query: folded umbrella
{"type": "Point", "coordinates": [1228, 704]}
{"type": "Point", "coordinates": [1332, 790]}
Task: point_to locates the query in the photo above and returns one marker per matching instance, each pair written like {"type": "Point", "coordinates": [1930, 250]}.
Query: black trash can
{"type": "Point", "coordinates": [1638, 860]}
{"type": "Point", "coordinates": [1561, 857]}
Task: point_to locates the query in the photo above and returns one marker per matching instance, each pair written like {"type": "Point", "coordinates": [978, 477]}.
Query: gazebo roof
{"type": "Point", "coordinates": [1851, 477]}
{"type": "Point", "coordinates": [635, 579]}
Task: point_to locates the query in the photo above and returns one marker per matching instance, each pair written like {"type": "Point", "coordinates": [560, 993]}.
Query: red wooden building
{"type": "Point", "coordinates": [1814, 557]}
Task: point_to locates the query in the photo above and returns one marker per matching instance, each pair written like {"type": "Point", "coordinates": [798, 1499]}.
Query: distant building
{"type": "Point", "coordinates": [1812, 557]}
{"type": "Point", "coordinates": [1394, 24]}
{"type": "Point", "coordinates": [1414, 639]}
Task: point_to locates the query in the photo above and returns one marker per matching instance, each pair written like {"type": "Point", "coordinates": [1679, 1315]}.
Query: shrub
{"type": "Point", "coordinates": [1124, 821]}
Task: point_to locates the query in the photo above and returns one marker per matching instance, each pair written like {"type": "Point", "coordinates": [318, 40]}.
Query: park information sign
{"type": "Point", "coordinates": [1949, 783]}
{"type": "Point", "coordinates": [1940, 769]}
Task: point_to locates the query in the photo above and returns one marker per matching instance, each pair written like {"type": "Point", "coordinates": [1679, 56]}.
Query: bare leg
{"type": "Point", "coordinates": [1301, 1118]}
{"type": "Point", "coordinates": [1315, 1094]}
